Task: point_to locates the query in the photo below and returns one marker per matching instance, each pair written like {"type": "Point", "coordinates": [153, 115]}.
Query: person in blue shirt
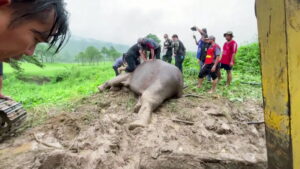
{"type": "Point", "coordinates": [203, 45]}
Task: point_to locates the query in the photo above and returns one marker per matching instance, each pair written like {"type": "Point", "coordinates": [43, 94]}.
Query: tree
{"type": "Point", "coordinates": [45, 53]}
{"type": "Point", "coordinates": [92, 54]}
{"type": "Point", "coordinates": [80, 58]}
{"type": "Point", "coordinates": [113, 53]}
{"type": "Point", "coordinates": [105, 53]}
{"type": "Point", "coordinates": [154, 37]}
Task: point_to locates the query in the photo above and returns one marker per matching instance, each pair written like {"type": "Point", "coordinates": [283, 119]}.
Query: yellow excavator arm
{"type": "Point", "coordinates": [279, 37]}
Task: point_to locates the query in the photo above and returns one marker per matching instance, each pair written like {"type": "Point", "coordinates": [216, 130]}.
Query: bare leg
{"type": "Point", "coordinates": [229, 77]}
{"type": "Point", "coordinates": [219, 75]}
{"type": "Point", "coordinates": [118, 81]}
{"type": "Point", "coordinates": [200, 83]}
{"type": "Point", "coordinates": [214, 85]}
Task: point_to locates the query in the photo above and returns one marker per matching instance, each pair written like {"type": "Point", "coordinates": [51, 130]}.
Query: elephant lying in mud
{"type": "Point", "coordinates": [154, 81]}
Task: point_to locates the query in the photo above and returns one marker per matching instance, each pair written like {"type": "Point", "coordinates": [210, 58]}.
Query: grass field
{"type": "Point", "coordinates": [59, 86]}
{"type": "Point", "coordinates": [245, 85]}
{"type": "Point", "coordinates": [58, 83]}
{"type": "Point", "coordinates": [55, 83]}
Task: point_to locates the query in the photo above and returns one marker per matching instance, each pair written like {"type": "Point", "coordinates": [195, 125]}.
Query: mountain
{"type": "Point", "coordinates": [77, 44]}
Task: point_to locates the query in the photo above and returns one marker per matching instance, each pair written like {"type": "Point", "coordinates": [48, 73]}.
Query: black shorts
{"type": "Point", "coordinates": [226, 67]}
{"type": "Point", "coordinates": [206, 70]}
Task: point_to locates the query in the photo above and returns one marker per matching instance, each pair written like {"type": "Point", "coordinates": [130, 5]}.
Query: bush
{"type": "Point", "coordinates": [248, 59]}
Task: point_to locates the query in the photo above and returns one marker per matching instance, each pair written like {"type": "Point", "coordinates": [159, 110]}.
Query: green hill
{"type": "Point", "coordinates": [77, 44]}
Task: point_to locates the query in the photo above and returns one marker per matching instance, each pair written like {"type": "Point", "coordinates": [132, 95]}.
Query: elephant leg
{"type": "Point", "coordinates": [116, 82]}
{"type": "Point", "coordinates": [138, 106]}
{"type": "Point", "coordinates": [149, 103]}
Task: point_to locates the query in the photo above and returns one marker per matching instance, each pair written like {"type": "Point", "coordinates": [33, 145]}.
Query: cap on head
{"type": "Point", "coordinates": [212, 38]}
{"type": "Point", "coordinates": [228, 33]}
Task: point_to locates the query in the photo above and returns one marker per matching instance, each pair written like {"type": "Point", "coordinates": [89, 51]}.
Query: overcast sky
{"type": "Point", "coordinates": [123, 21]}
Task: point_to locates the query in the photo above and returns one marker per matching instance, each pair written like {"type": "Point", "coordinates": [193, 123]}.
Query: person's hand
{"type": "Point", "coordinates": [121, 69]}
{"type": "Point", "coordinates": [213, 69]}
{"type": "Point", "coordinates": [199, 61]}
{"type": "Point", "coordinates": [231, 64]}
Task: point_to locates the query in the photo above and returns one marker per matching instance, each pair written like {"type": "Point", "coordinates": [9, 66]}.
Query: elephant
{"type": "Point", "coordinates": [154, 82]}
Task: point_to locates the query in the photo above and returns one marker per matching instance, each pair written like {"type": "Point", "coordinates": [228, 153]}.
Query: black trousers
{"type": "Point", "coordinates": [157, 53]}
{"type": "Point", "coordinates": [132, 61]}
{"type": "Point", "coordinates": [179, 61]}
{"type": "Point", "coordinates": [116, 70]}
{"type": "Point", "coordinates": [167, 58]}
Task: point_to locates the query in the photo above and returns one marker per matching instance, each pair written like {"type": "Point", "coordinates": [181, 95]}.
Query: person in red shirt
{"type": "Point", "coordinates": [229, 52]}
{"type": "Point", "coordinates": [211, 64]}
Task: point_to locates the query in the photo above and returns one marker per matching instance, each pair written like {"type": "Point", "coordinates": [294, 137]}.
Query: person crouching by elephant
{"type": "Point", "coordinates": [179, 52]}
{"type": "Point", "coordinates": [132, 58]}
{"type": "Point", "coordinates": [119, 63]}
{"type": "Point", "coordinates": [149, 45]}
{"type": "Point", "coordinates": [211, 64]}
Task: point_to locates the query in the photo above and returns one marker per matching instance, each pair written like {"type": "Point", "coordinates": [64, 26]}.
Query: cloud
{"type": "Point", "coordinates": [123, 21]}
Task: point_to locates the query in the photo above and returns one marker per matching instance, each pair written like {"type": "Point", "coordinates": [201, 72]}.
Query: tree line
{"type": "Point", "coordinates": [92, 55]}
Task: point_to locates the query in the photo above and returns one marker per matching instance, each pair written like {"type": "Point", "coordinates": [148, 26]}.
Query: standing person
{"type": "Point", "coordinates": [118, 64]}
{"type": "Point", "coordinates": [203, 45]}
{"type": "Point", "coordinates": [229, 51]}
{"type": "Point", "coordinates": [167, 49]}
{"type": "Point", "coordinates": [203, 52]}
{"type": "Point", "coordinates": [201, 42]}
{"type": "Point", "coordinates": [150, 45]}
{"type": "Point", "coordinates": [132, 58]}
{"type": "Point", "coordinates": [179, 51]}
{"type": "Point", "coordinates": [24, 24]}
{"type": "Point", "coordinates": [211, 64]}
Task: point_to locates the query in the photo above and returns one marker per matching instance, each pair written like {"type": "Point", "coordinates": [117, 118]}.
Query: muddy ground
{"type": "Point", "coordinates": [96, 136]}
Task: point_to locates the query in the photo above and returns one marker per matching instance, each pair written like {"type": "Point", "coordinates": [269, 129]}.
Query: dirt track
{"type": "Point", "coordinates": [95, 136]}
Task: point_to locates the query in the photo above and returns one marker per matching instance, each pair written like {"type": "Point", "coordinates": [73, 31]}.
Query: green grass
{"type": "Point", "coordinates": [71, 82]}
{"type": "Point", "coordinates": [240, 89]}
{"type": "Point", "coordinates": [67, 82]}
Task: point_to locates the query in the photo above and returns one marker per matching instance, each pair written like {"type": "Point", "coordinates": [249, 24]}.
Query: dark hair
{"type": "Point", "coordinates": [40, 10]}
{"type": "Point", "coordinates": [175, 36]}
